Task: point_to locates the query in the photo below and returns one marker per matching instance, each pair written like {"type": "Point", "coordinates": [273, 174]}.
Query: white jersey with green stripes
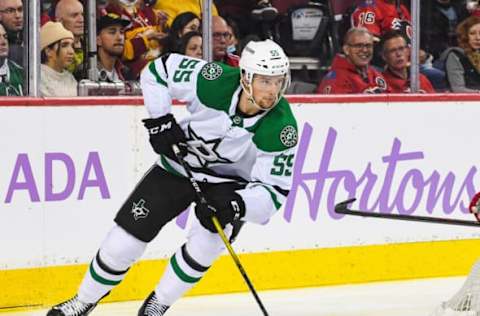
{"type": "Point", "coordinates": [224, 144]}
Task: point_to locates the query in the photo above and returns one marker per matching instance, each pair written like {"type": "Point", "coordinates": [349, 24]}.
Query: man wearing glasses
{"type": "Point", "coordinates": [396, 53]}
{"type": "Point", "coordinates": [11, 16]}
{"type": "Point", "coordinates": [11, 74]}
{"type": "Point", "coordinates": [221, 37]}
{"type": "Point", "coordinates": [351, 71]}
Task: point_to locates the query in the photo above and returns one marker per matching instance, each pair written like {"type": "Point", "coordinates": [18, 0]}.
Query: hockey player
{"type": "Point", "coordinates": [241, 137]}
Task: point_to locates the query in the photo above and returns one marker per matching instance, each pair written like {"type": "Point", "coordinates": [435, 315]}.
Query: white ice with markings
{"type": "Point", "coordinates": [399, 298]}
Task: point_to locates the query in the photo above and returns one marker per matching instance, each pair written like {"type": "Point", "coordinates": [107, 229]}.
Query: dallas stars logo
{"type": "Point", "coordinates": [211, 71]}
{"type": "Point", "coordinates": [139, 210]}
{"type": "Point", "coordinates": [205, 151]}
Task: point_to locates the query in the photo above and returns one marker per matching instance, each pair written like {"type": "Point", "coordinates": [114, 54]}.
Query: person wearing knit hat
{"type": "Point", "coordinates": [56, 44]}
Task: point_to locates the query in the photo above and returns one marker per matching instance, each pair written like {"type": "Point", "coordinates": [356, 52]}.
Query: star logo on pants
{"type": "Point", "coordinates": [139, 210]}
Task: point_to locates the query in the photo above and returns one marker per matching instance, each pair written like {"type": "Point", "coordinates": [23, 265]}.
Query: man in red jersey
{"type": "Point", "coordinates": [381, 16]}
{"type": "Point", "coordinates": [396, 53]}
{"type": "Point", "coordinates": [351, 72]}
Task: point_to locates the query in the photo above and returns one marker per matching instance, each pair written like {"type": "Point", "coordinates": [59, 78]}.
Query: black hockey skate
{"type": "Point", "coordinates": [72, 307]}
{"type": "Point", "coordinates": [152, 307]}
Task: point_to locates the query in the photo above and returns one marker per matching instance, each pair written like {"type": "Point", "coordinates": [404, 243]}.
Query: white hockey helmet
{"type": "Point", "coordinates": [263, 58]}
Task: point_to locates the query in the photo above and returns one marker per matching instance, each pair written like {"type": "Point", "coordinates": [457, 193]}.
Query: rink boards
{"type": "Point", "coordinates": [67, 166]}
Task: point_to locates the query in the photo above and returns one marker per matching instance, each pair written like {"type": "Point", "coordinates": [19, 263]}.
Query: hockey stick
{"type": "Point", "coordinates": [201, 199]}
{"type": "Point", "coordinates": [342, 208]}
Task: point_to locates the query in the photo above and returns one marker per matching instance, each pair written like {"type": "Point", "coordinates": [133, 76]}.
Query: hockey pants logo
{"type": "Point", "coordinates": [139, 210]}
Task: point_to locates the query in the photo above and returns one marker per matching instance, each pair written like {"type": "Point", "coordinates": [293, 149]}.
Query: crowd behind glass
{"type": "Point", "coordinates": [335, 46]}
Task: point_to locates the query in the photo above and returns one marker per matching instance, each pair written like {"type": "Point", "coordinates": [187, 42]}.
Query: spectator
{"type": "Point", "coordinates": [472, 7]}
{"type": "Point", "coordinates": [462, 64]}
{"type": "Point", "coordinates": [57, 54]}
{"type": "Point", "coordinates": [233, 44]}
{"type": "Point", "coordinates": [11, 15]}
{"type": "Point", "coordinates": [381, 16]}
{"type": "Point", "coordinates": [191, 45]}
{"type": "Point", "coordinates": [221, 37]}
{"type": "Point", "coordinates": [46, 9]}
{"type": "Point", "coordinates": [263, 10]}
{"type": "Point", "coordinates": [351, 72]}
{"type": "Point", "coordinates": [110, 44]}
{"type": "Point", "coordinates": [70, 14]}
{"type": "Point", "coordinates": [11, 74]}
{"type": "Point", "coordinates": [253, 17]}
{"type": "Point", "coordinates": [396, 53]}
{"type": "Point", "coordinates": [436, 76]}
{"type": "Point", "coordinates": [185, 22]}
{"type": "Point", "coordinates": [173, 8]}
{"type": "Point", "coordinates": [439, 18]}
{"type": "Point", "coordinates": [142, 36]}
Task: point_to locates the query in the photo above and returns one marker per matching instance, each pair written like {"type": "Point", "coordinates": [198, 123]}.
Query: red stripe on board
{"type": "Point", "coordinates": [383, 98]}
{"type": "Point", "coordinates": [359, 98]}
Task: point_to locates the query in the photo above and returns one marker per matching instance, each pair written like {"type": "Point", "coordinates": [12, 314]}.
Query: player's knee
{"type": "Point", "coordinates": [120, 249]}
{"type": "Point", "coordinates": [205, 250]}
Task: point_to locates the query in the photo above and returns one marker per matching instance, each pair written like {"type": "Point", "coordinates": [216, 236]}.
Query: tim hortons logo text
{"type": "Point", "coordinates": [23, 182]}
{"type": "Point", "coordinates": [416, 190]}
{"type": "Point", "coordinates": [392, 183]}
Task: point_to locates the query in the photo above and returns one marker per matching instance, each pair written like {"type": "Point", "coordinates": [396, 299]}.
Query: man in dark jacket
{"type": "Point", "coordinates": [11, 74]}
{"type": "Point", "coordinates": [438, 20]}
{"type": "Point", "coordinates": [11, 15]}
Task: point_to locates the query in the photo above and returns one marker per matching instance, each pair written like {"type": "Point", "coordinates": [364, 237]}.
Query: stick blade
{"type": "Point", "coordinates": [343, 206]}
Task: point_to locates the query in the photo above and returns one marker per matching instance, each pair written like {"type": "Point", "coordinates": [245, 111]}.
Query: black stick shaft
{"type": "Point", "coordinates": [342, 208]}
{"type": "Point", "coordinates": [201, 199]}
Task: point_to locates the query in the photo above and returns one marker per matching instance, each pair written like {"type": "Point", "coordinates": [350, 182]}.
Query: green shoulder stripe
{"type": "Point", "coordinates": [154, 72]}
{"type": "Point", "coordinates": [216, 84]}
{"type": "Point", "coordinates": [276, 131]}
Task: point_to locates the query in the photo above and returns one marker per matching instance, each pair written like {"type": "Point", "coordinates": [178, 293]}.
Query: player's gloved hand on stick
{"type": "Point", "coordinates": [226, 204]}
{"type": "Point", "coordinates": [474, 206]}
{"type": "Point", "coordinates": [164, 132]}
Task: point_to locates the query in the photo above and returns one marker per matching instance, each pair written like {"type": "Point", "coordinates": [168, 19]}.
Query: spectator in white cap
{"type": "Point", "coordinates": [57, 54]}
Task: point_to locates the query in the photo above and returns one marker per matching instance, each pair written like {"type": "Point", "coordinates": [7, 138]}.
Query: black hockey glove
{"type": "Point", "coordinates": [165, 132]}
{"type": "Point", "coordinates": [227, 205]}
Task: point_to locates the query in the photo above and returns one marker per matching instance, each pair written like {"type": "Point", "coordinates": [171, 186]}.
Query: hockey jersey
{"type": "Point", "coordinates": [397, 84]}
{"type": "Point", "coordinates": [225, 145]}
{"type": "Point", "coordinates": [345, 78]}
{"type": "Point", "coordinates": [379, 17]}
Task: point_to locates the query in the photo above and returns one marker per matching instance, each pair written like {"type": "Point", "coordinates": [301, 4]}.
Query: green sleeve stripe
{"type": "Point", "coordinates": [169, 167]}
{"type": "Point", "coordinates": [154, 72]}
{"type": "Point", "coordinates": [100, 279]}
{"type": "Point", "coordinates": [273, 195]}
{"type": "Point", "coordinates": [182, 275]}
